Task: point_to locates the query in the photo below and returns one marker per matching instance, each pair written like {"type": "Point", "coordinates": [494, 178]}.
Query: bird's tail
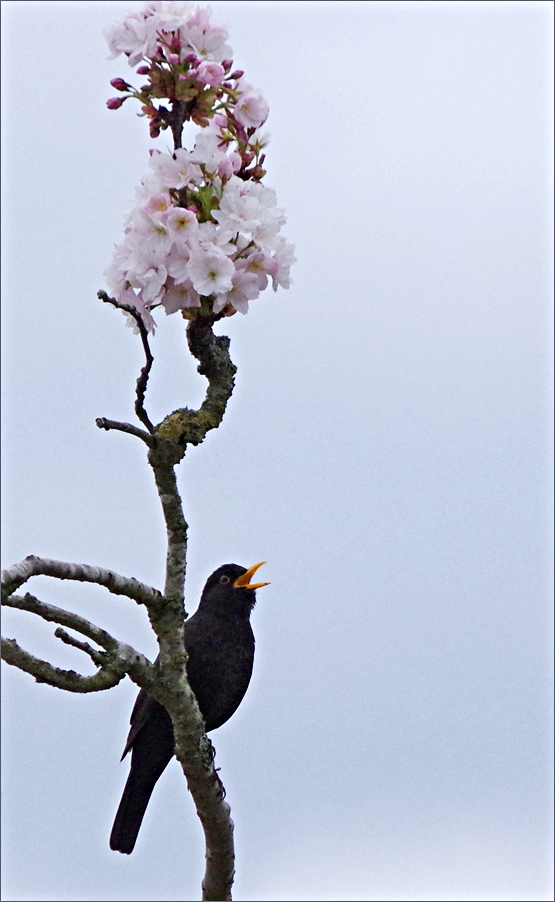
{"type": "Point", "coordinates": [130, 813]}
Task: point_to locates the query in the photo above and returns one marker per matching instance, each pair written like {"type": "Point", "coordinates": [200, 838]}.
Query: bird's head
{"type": "Point", "coordinates": [230, 589]}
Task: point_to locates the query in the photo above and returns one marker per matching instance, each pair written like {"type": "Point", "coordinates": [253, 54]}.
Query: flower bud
{"type": "Point", "coordinates": [143, 70]}
{"type": "Point", "coordinates": [173, 58]}
{"type": "Point", "coordinates": [114, 103]}
{"type": "Point", "coordinates": [236, 161]}
{"type": "Point", "coordinates": [119, 84]}
{"type": "Point", "coordinates": [257, 173]}
{"type": "Point", "coordinates": [237, 74]}
{"type": "Point", "coordinates": [225, 168]}
{"type": "Point", "coordinates": [227, 64]}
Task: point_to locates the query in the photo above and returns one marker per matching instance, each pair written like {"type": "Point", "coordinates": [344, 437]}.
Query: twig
{"type": "Point", "coordinates": [117, 659]}
{"type": "Point", "coordinates": [146, 437]}
{"type": "Point", "coordinates": [44, 672]}
{"type": "Point", "coordinates": [98, 657]}
{"type": "Point", "coordinates": [142, 381]}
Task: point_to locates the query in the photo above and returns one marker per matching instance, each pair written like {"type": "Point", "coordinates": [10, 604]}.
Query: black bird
{"type": "Point", "coordinates": [220, 645]}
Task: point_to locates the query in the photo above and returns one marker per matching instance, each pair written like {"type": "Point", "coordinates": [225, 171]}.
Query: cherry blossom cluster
{"type": "Point", "coordinates": [203, 234]}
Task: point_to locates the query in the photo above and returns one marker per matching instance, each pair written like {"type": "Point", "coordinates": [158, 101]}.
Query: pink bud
{"type": "Point", "coordinates": [225, 168]}
{"type": "Point", "coordinates": [237, 74]}
{"type": "Point", "coordinates": [191, 58]}
{"type": "Point", "coordinates": [192, 73]}
{"type": "Point", "coordinates": [114, 103]}
{"type": "Point", "coordinates": [235, 160]}
{"type": "Point", "coordinates": [173, 58]}
{"type": "Point", "coordinates": [119, 84]}
{"type": "Point", "coordinates": [182, 77]}
{"type": "Point", "coordinates": [227, 64]}
{"type": "Point", "coordinates": [143, 70]}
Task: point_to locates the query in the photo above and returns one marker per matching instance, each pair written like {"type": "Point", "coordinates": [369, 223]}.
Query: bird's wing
{"type": "Point", "coordinates": [143, 709]}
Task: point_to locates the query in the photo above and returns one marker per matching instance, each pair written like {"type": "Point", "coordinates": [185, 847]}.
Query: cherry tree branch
{"type": "Point", "coordinates": [114, 662]}
{"type": "Point", "coordinates": [142, 381]}
{"type": "Point", "coordinates": [186, 426]}
{"type": "Point", "coordinates": [15, 576]}
{"type": "Point", "coordinates": [166, 681]}
{"type": "Point", "coordinates": [106, 424]}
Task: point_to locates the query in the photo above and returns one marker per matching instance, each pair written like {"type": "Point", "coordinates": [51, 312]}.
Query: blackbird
{"type": "Point", "coordinates": [220, 645]}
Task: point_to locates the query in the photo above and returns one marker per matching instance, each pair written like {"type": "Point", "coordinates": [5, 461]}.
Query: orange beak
{"type": "Point", "coordinates": [243, 582]}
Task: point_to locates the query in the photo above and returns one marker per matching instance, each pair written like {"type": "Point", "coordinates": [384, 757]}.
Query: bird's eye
{"type": "Point", "coordinates": [224, 579]}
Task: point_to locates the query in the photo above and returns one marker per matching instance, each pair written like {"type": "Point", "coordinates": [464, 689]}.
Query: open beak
{"type": "Point", "coordinates": [243, 582]}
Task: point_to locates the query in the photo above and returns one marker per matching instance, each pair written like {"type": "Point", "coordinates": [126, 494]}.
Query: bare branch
{"type": "Point", "coordinates": [142, 381]}
{"type": "Point", "coordinates": [14, 577]}
{"type": "Point", "coordinates": [146, 437]}
{"type": "Point", "coordinates": [189, 427]}
{"type": "Point", "coordinates": [44, 672]}
{"type": "Point", "coordinates": [98, 657]}
{"type": "Point", "coordinates": [117, 659]}
{"type": "Point", "coordinates": [161, 460]}
{"type": "Point", "coordinates": [53, 614]}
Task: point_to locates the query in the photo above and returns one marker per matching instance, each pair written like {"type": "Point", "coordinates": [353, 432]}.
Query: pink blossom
{"type": "Point", "coordinates": [158, 203]}
{"type": "Point", "coordinates": [210, 271]}
{"type": "Point", "coordinates": [210, 73]}
{"type": "Point", "coordinates": [223, 243]}
{"type": "Point", "coordinates": [207, 151]}
{"type": "Point", "coordinates": [183, 222]}
{"type": "Point", "coordinates": [179, 296]}
{"type": "Point", "coordinates": [238, 211]}
{"type": "Point", "coordinates": [208, 41]}
{"type": "Point", "coordinates": [169, 15]}
{"type": "Point", "coordinates": [174, 170]}
{"type": "Point", "coordinates": [259, 265]}
{"type": "Point", "coordinates": [284, 257]}
{"type": "Point", "coordinates": [251, 110]}
{"type": "Point", "coordinates": [132, 36]}
{"type": "Point", "coordinates": [244, 289]}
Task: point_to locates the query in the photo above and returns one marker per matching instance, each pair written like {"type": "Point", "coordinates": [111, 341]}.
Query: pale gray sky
{"type": "Point", "coordinates": [387, 451]}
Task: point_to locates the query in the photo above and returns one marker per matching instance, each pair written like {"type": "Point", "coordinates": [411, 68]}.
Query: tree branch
{"type": "Point", "coordinates": [14, 577]}
{"type": "Point", "coordinates": [192, 748]}
{"type": "Point", "coordinates": [146, 437]}
{"type": "Point", "coordinates": [117, 659]}
{"type": "Point", "coordinates": [142, 381]}
{"type": "Point", "coordinates": [44, 672]}
{"type": "Point", "coordinates": [166, 681]}
{"type": "Point", "coordinates": [97, 657]}
{"type": "Point", "coordinates": [186, 426]}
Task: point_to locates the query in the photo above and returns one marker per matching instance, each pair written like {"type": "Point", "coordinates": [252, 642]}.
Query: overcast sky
{"type": "Point", "coordinates": [386, 451]}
